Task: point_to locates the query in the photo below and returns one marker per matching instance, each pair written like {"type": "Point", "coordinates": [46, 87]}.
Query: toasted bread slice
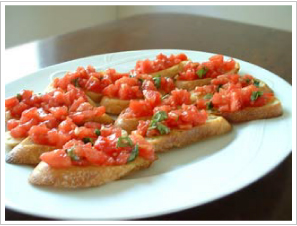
{"type": "Point", "coordinates": [114, 105]}
{"type": "Point", "coordinates": [270, 110]}
{"type": "Point", "coordinates": [81, 177]}
{"type": "Point", "coordinates": [190, 85]}
{"type": "Point", "coordinates": [27, 152]}
{"type": "Point", "coordinates": [215, 125]}
{"type": "Point", "coordinates": [263, 87]}
{"type": "Point", "coordinates": [96, 97]}
{"type": "Point", "coordinates": [11, 141]}
{"type": "Point", "coordinates": [172, 71]}
{"type": "Point", "coordinates": [128, 124]}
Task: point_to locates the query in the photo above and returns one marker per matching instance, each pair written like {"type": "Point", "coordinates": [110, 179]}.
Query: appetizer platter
{"type": "Point", "coordinates": [185, 120]}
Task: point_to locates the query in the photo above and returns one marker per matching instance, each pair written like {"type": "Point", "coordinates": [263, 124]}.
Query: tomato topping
{"type": "Point", "coordinates": [139, 108]}
{"type": "Point", "coordinates": [161, 62]}
{"type": "Point", "coordinates": [11, 102]}
{"type": "Point", "coordinates": [186, 117]}
{"type": "Point", "coordinates": [57, 158]}
{"type": "Point", "coordinates": [124, 88]}
{"type": "Point", "coordinates": [210, 69]}
{"type": "Point", "coordinates": [233, 98]}
{"type": "Point", "coordinates": [113, 149]}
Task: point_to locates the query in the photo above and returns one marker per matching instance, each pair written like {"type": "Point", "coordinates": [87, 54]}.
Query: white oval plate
{"type": "Point", "coordinates": [180, 179]}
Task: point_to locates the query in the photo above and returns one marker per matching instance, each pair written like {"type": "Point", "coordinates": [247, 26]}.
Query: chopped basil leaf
{"type": "Point", "coordinates": [255, 95]}
{"type": "Point", "coordinates": [71, 154]}
{"type": "Point", "coordinates": [207, 96]}
{"type": "Point", "coordinates": [209, 105]}
{"type": "Point", "coordinates": [131, 76]}
{"type": "Point", "coordinates": [124, 142]}
{"type": "Point", "coordinates": [219, 86]}
{"type": "Point", "coordinates": [75, 82]}
{"type": "Point", "coordinates": [87, 140]}
{"type": "Point", "coordinates": [157, 81]}
{"type": "Point", "coordinates": [247, 80]}
{"type": "Point", "coordinates": [163, 129]}
{"type": "Point", "coordinates": [19, 96]}
{"type": "Point", "coordinates": [134, 154]}
{"type": "Point", "coordinates": [160, 116]}
{"type": "Point", "coordinates": [141, 80]}
{"type": "Point", "coordinates": [256, 82]}
{"type": "Point", "coordinates": [165, 96]}
{"type": "Point", "coordinates": [97, 132]}
{"type": "Point", "coordinates": [201, 72]}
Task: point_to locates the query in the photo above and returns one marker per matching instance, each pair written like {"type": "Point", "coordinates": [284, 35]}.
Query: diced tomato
{"type": "Point", "coordinates": [56, 159]}
{"type": "Point", "coordinates": [141, 108]}
{"type": "Point", "coordinates": [153, 97]}
{"type": "Point", "coordinates": [12, 123]}
{"type": "Point", "coordinates": [181, 96]}
{"type": "Point", "coordinates": [148, 85]}
{"type": "Point", "coordinates": [143, 127]}
{"type": "Point", "coordinates": [11, 102]}
{"type": "Point", "coordinates": [67, 125]}
{"type": "Point", "coordinates": [38, 134]}
{"type": "Point", "coordinates": [160, 63]}
{"type": "Point", "coordinates": [110, 91]}
{"type": "Point", "coordinates": [59, 113]}
{"type": "Point", "coordinates": [146, 150]}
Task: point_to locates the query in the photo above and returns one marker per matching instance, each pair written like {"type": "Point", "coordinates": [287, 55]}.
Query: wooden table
{"type": "Point", "coordinates": [270, 198]}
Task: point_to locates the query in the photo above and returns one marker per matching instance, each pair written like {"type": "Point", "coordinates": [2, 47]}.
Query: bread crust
{"type": "Point", "coordinates": [96, 97]}
{"type": "Point", "coordinates": [128, 124]}
{"type": "Point", "coordinates": [172, 71]}
{"type": "Point", "coordinates": [27, 152]}
{"type": "Point", "coordinates": [215, 125]}
{"type": "Point", "coordinates": [83, 176]}
{"type": "Point", "coordinates": [114, 105]}
{"type": "Point", "coordinates": [270, 110]}
{"type": "Point", "coordinates": [190, 85]}
{"type": "Point", "coordinates": [11, 141]}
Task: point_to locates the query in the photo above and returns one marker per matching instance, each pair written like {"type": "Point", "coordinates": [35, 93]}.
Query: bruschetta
{"type": "Point", "coordinates": [42, 139]}
{"type": "Point", "coordinates": [50, 111]}
{"type": "Point", "coordinates": [237, 102]}
{"type": "Point", "coordinates": [79, 165]}
{"type": "Point", "coordinates": [200, 74]}
{"type": "Point", "coordinates": [89, 80]}
{"type": "Point", "coordinates": [118, 96]}
{"type": "Point", "coordinates": [180, 127]}
{"type": "Point", "coordinates": [162, 66]}
{"type": "Point", "coordinates": [144, 109]}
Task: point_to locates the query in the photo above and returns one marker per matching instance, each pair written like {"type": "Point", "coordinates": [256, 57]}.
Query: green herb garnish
{"type": "Point", "coordinates": [131, 76]}
{"type": "Point", "coordinates": [256, 82]}
{"type": "Point", "coordinates": [87, 140]}
{"type": "Point", "coordinates": [156, 122]}
{"type": "Point", "coordinates": [97, 132]}
{"type": "Point", "coordinates": [157, 81]}
{"type": "Point", "coordinates": [247, 80]}
{"type": "Point", "coordinates": [163, 129]}
{"type": "Point", "coordinates": [255, 95]}
{"type": "Point", "coordinates": [19, 96]}
{"type": "Point", "coordinates": [141, 80]}
{"type": "Point", "coordinates": [201, 72]}
{"type": "Point", "coordinates": [207, 96]}
{"type": "Point", "coordinates": [209, 105]}
{"type": "Point", "coordinates": [75, 82]}
{"type": "Point", "coordinates": [165, 96]}
{"type": "Point", "coordinates": [124, 142]}
{"type": "Point", "coordinates": [219, 86]}
{"type": "Point", "coordinates": [160, 116]}
{"type": "Point", "coordinates": [134, 154]}
{"type": "Point", "coordinates": [71, 154]}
